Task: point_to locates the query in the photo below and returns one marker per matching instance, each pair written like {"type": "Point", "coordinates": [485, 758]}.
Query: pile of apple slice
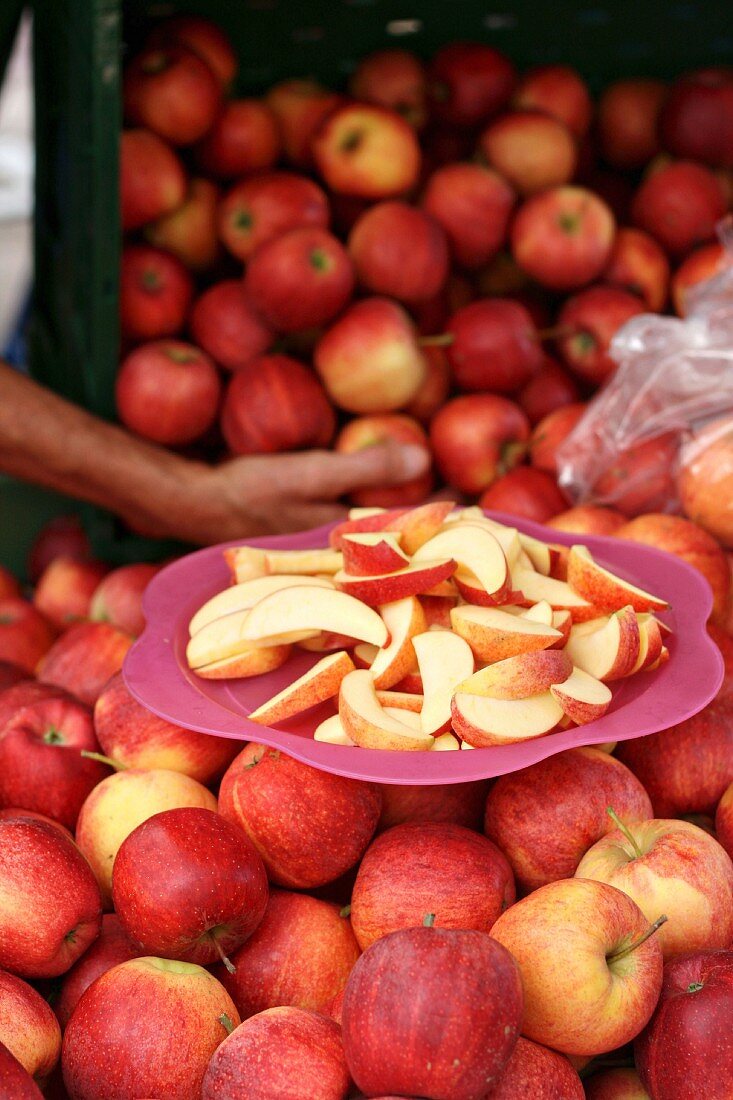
{"type": "Point", "coordinates": [439, 628]}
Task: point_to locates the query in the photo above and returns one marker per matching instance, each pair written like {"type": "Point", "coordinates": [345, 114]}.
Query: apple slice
{"type": "Point", "coordinates": [446, 742]}
{"type": "Point", "coordinates": [245, 562]}
{"type": "Point", "coordinates": [414, 579]}
{"type": "Point", "coordinates": [582, 697]}
{"type": "Point", "coordinates": [521, 676]}
{"type": "Point", "coordinates": [610, 651]}
{"type": "Point", "coordinates": [362, 513]}
{"type": "Point", "coordinates": [401, 700]}
{"type": "Point", "coordinates": [444, 590]}
{"type": "Point", "coordinates": [661, 660]}
{"type": "Point", "coordinates": [364, 655]}
{"type": "Point", "coordinates": [560, 596]}
{"type": "Point", "coordinates": [418, 525]}
{"type": "Point", "coordinates": [251, 561]}
{"type": "Point", "coordinates": [444, 661]}
{"type": "Point", "coordinates": [479, 557]}
{"type": "Point", "coordinates": [650, 642]}
{"type": "Point", "coordinates": [410, 718]}
{"type": "Point", "coordinates": [366, 722]}
{"type": "Point", "coordinates": [403, 619]}
{"type": "Point", "coordinates": [377, 520]}
{"type": "Point", "coordinates": [493, 634]}
{"type": "Point", "coordinates": [541, 554]}
{"type": "Point", "coordinates": [411, 684]}
{"type": "Point", "coordinates": [483, 721]}
{"type": "Point", "coordinates": [539, 613]}
{"type": "Point", "coordinates": [254, 661]}
{"type": "Point", "coordinates": [603, 588]}
{"type": "Point", "coordinates": [243, 596]}
{"type": "Point", "coordinates": [562, 621]}
{"type": "Point", "coordinates": [331, 732]}
{"type": "Point", "coordinates": [309, 608]}
{"type": "Point", "coordinates": [315, 686]}
{"type": "Point", "coordinates": [225, 637]}
{"type": "Point", "coordinates": [327, 642]}
{"type": "Point", "coordinates": [507, 537]}
{"type": "Point", "coordinates": [372, 552]}
{"type": "Point", "coordinates": [437, 611]}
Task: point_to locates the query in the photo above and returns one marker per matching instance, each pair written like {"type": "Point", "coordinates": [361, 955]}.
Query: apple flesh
{"type": "Point", "coordinates": [420, 576]}
{"type": "Point", "coordinates": [315, 686]}
{"type": "Point", "coordinates": [494, 634]}
{"type": "Point", "coordinates": [606, 648]}
{"type": "Point", "coordinates": [310, 608]}
{"type": "Point", "coordinates": [366, 721]}
{"type": "Point", "coordinates": [482, 721]}
{"type": "Point", "coordinates": [582, 697]}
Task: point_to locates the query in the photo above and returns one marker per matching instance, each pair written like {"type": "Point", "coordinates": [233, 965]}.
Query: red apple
{"type": "Point", "coordinates": [367, 151]}
{"type": "Point", "coordinates": [428, 866]}
{"type": "Point", "coordinates": [563, 237]}
{"type": "Point", "coordinates": [639, 265]}
{"type": "Point", "coordinates": [551, 433]}
{"type": "Point", "coordinates": [724, 641]}
{"type": "Point", "coordinates": [112, 947]}
{"type": "Point", "coordinates": [187, 884]}
{"type": "Point", "coordinates": [369, 360]}
{"type": "Point", "coordinates": [11, 674]}
{"type": "Point", "coordinates": [702, 264]}
{"type": "Point", "coordinates": [494, 346]}
{"type": "Point", "coordinates": [15, 698]}
{"type": "Point", "coordinates": [531, 149]}
{"type": "Point", "coordinates": [65, 589]}
{"type": "Point", "coordinates": [275, 404]}
{"type": "Point", "coordinates": [457, 803]}
{"type": "Point", "coordinates": [640, 479]}
{"type": "Point", "coordinates": [679, 205]}
{"type": "Point", "coordinates": [434, 391]}
{"type": "Point", "coordinates": [156, 291]}
{"type": "Point", "coordinates": [281, 1052]}
{"type": "Point", "coordinates": [168, 391]}
{"type": "Point", "coordinates": [25, 634]}
{"type": "Point", "coordinates": [205, 38]}
{"type": "Point", "coordinates": [172, 92]}
{"type": "Point", "coordinates": [299, 280]}
{"type": "Point", "coordinates": [588, 519]}
{"type": "Point", "coordinates": [300, 107]}
{"type": "Point", "coordinates": [366, 431]}
{"type": "Point", "coordinates": [152, 178]}
{"type": "Point", "coordinates": [476, 438]}
{"type": "Point", "coordinates": [687, 1049]}
{"type": "Point", "coordinates": [473, 204]}
{"type": "Point", "coordinates": [308, 826]}
{"type": "Point", "coordinates": [51, 909]}
{"type": "Point", "coordinates": [15, 1083]}
{"type": "Point", "coordinates": [724, 820]}
{"type": "Point", "coordinates": [243, 139]}
{"type": "Point", "coordinates": [549, 389]}
{"type": "Point", "coordinates": [539, 1072]}
{"type": "Point", "coordinates": [189, 232]}
{"type": "Point", "coordinates": [301, 955]}
{"type": "Point", "coordinates": [225, 325]}
{"type": "Point", "coordinates": [399, 251]}
{"type": "Point", "coordinates": [62, 536]}
{"type": "Point", "coordinates": [468, 83]}
{"type": "Point", "coordinates": [527, 492]}
{"type": "Point", "coordinates": [118, 597]}
{"type": "Point", "coordinates": [545, 817]}
{"type": "Point", "coordinates": [395, 79]}
{"type": "Point", "coordinates": [28, 1028]}
{"type": "Point", "coordinates": [9, 585]}
{"type": "Point", "coordinates": [84, 658]}
{"type": "Point", "coordinates": [559, 91]}
{"type": "Point", "coordinates": [615, 1084]}
{"type": "Point", "coordinates": [118, 1041]}
{"type": "Point", "coordinates": [134, 736]}
{"type": "Point", "coordinates": [258, 209]}
{"type": "Point", "coordinates": [686, 768]}
{"type": "Point", "coordinates": [628, 117]}
{"type": "Point", "coordinates": [593, 317]}
{"type": "Point", "coordinates": [41, 766]}
{"type": "Point", "coordinates": [697, 118]}
{"type": "Point", "coordinates": [396, 1038]}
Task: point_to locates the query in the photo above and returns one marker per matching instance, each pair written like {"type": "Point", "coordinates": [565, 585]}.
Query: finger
{"type": "Point", "coordinates": [300, 517]}
{"type": "Point", "coordinates": [326, 475]}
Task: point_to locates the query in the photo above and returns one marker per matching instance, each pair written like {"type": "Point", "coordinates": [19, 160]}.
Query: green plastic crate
{"type": "Point", "coordinates": [79, 47]}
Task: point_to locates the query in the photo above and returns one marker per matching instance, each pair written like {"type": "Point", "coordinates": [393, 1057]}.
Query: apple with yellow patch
{"type": "Point", "coordinates": [315, 686]}
{"type": "Point", "coordinates": [521, 676]}
{"type": "Point", "coordinates": [602, 588]}
{"type": "Point", "coordinates": [494, 634]}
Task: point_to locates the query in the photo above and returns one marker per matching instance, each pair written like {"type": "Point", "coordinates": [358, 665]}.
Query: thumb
{"type": "Point", "coordinates": [387, 463]}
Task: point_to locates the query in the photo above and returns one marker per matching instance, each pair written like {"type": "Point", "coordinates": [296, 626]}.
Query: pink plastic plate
{"type": "Point", "coordinates": [156, 672]}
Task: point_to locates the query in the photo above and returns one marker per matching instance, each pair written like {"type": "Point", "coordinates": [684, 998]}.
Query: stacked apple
{"type": "Point", "coordinates": [442, 628]}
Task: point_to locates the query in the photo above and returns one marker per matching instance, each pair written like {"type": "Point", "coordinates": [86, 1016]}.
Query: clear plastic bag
{"type": "Point", "coordinates": [640, 444]}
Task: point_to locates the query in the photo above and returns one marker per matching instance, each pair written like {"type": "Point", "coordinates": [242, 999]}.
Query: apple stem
{"type": "Point", "coordinates": [637, 943]}
{"type": "Point", "coordinates": [428, 920]}
{"type": "Point", "coordinates": [346, 911]}
{"type": "Point", "coordinates": [231, 968]}
{"type": "Point", "coordinates": [440, 340]}
{"type": "Point", "coordinates": [116, 764]}
{"type": "Point", "coordinates": [226, 1023]}
{"type": "Point", "coordinates": [555, 332]}
{"type": "Point", "coordinates": [625, 830]}
{"type": "Point", "coordinates": [695, 987]}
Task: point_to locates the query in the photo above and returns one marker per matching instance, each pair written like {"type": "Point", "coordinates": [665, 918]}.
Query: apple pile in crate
{"type": "Point", "coordinates": [444, 629]}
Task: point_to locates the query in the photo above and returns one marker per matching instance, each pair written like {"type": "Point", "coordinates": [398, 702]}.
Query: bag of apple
{"type": "Point", "coordinates": [659, 436]}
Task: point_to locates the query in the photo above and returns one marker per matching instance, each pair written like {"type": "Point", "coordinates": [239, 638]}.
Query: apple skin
{"type": "Point", "coordinates": [545, 817]}
{"type": "Point", "coordinates": [41, 766]}
{"type": "Point", "coordinates": [9, 585]}
{"type": "Point", "coordinates": [365, 431]}
{"type": "Point", "coordinates": [588, 519]}
{"type": "Point", "coordinates": [473, 204]}
{"type": "Point", "coordinates": [395, 79]}
{"type": "Point", "coordinates": [61, 536]}
{"type": "Point", "coordinates": [399, 251]}
{"type": "Point", "coordinates": [225, 325]}
{"type": "Point", "coordinates": [25, 634]}
{"type": "Point", "coordinates": [456, 803]}
{"type": "Point", "coordinates": [563, 237]}
{"type": "Point", "coordinates": [639, 265]}
{"type": "Point", "coordinates": [615, 1084]}
{"type": "Point", "coordinates": [51, 908]}
{"type": "Point", "coordinates": [84, 658]}
{"type": "Point", "coordinates": [167, 391]}
{"type": "Point", "coordinates": [595, 315]}
{"type": "Point", "coordinates": [308, 826]}
{"type": "Point", "coordinates": [205, 38]}
{"type": "Point", "coordinates": [531, 149]}
{"type": "Point", "coordinates": [628, 116]}
{"type": "Point", "coordinates": [724, 821]}
{"type": "Point", "coordinates": [266, 205]}
{"type": "Point", "coordinates": [275, 404]}
{"type": "Point", "coordinates": [132, 735]}
{"type": "Point", "coordinates": [367, 151]}
{"type": "Point", "coordinates": [156, 290]}
{"type": "Point", "coordinates": [28, 1027]}
{"type": "Point", "coordinates": [537, 1071]}
{"type": "Point", "coordinates": [152, 178]}
{"type": "Point", "coordinates": [687, 1048]}
{"type": "Point", "coordinates": [551, 388]}
{"type": "Point", "coordinates": [452, 1036]}
{"type": "Point", "coordinates": [551, 433]}
{"type": "Point", "coordinates": [704, 479]}
{"type": "Point", "coordinates": [697, 117]}
{"type": "Point", "coordinates": [701, 264]}
{"type": "Point", "coordinates": [117, 599]}
{"type": "Point", "coordinates": [476, 438]}
{"type": "Point", "coordinates": [187, 884]}
{"type": "Point", "coordinates": [11, 674]}
{"type": "Point", "coordinates": [679, 205]}
{"type": "Point", "coordinates": [468, 83]}
{"type": "Point", "coordinates": [300, 107]}
{"type": "Point", "coordinates": [576, 999]}
{"type": "Point", "coordinates": [243, 139]}
{"type": "Point", "coordinates": [118, 1040]}
{"type": "Point", "coordinates": [189, 231]}
{"type": "Point", "coordinates": [527, 492]}
{"type": "Point", "coordinates": [15, 1083]}
{"type": "Point", "coordinates": [433, 392]}
{"type": "Point", "coordinates": [14, 698]}
{"type": "Point", "coordinates": [495, 346]}
{"type": "Point", "coordinates": [559, 91]}
{"type": "Point", "coordinates": [171, 91]}
{"type": "Point", "coordinates": [65, 588]}
{"type": "Point", "coordinates": [682, 872]}
{"type": "Point", "coordinates": [284, 1051]}
{"type": "Point", "coordinates": [123, 801]}
{"type": "Point", "coordinates": [112, 946]}
{"type": "Point", "coordinates": [429, 867]}
{"type": "Point", "coordinates": [301, 954]}
{"type": "Point", "coordinates": [686, 768]}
